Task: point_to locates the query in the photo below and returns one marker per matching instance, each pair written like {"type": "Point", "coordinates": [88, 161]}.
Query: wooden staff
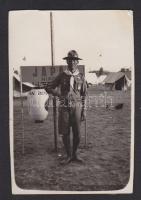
{"type": "Point", "coordinates": [86, 138]}
{"type": "Point", "coordinates": [54, 98]}
{"type": "Point", "coordinates": [86, 133]}
{"type": "Point", "coordinates": [85, 105]}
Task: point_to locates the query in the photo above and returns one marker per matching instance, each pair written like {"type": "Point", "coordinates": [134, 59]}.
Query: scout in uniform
{"type": "Point", "coordinates": [72, 103]}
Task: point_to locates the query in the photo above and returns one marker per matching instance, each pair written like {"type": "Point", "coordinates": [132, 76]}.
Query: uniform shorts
{"type": "Point", "coordinates": [69, 117]}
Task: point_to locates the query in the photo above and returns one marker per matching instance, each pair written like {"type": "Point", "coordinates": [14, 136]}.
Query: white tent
{"type": "Point", "coordinates": [17, 94]}
{"type": "Point", "coordinates": [91, 78]}
{"type": "Point", "coordinates": [26, 86]}
{"type": "Point", "coordinates": [101, 79]}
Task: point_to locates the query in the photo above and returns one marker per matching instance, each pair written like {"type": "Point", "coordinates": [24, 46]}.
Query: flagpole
{"type": "Point", "coordinates": [54, 98]}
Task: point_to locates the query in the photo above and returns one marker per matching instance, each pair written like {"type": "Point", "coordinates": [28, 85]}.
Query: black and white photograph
{"type": "Point", "coordinates": [71, 98]}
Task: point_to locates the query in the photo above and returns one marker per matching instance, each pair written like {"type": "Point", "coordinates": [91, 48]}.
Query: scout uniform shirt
{"type": "Point", "coordinates": [72, 90]}
{"type": "Point", "coordinates": [72, 86]}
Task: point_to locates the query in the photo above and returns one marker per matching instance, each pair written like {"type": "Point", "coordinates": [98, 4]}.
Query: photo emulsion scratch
{"type": "Point", "coordinates": [71, 97]}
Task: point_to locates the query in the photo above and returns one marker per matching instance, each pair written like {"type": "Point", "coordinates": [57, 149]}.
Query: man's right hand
{"type": "Point", "coordinates": [54, 92]}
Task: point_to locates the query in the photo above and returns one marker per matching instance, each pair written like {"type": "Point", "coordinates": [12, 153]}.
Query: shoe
{"type": "Point", "coordinates": [77, 159]}
{"type": "Point", "coordinates": [66, 161]}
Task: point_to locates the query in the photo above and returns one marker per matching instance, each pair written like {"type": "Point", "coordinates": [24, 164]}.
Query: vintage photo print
{"type": "Point", "coordinates": [71, 97]}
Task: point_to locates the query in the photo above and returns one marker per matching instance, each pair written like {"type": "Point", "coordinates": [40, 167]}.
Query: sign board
{"type": "Point", "coordinates": [40, 75]}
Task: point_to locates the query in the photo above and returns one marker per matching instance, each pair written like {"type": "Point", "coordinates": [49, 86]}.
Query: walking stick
{"type": "Point", "coordinates": [86, 136]}
{"type": "Point", "coordinates": [86, 133]}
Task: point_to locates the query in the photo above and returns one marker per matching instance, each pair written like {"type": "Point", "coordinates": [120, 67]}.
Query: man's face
{"type": "Point", "coordinates": [72, 64]}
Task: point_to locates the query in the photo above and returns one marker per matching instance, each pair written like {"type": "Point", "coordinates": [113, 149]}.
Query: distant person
{"type": "Point", "coordinates": [72, 104]}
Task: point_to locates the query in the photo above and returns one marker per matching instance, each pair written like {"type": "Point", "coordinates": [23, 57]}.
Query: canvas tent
{"type": "Point", "coordinates": [117, 81]}
{"type": "Point", "coordinates": [17, 88]}
{"type": "Point", "coordinates": [101, 79]}
{"type": "Point", "coordinates": [91, 78]}
{"type": "Point", "coordinates": [128, 76]}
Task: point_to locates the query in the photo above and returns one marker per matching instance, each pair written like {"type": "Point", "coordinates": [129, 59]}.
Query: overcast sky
{"type": "Point", "coordinates": [102, 38]}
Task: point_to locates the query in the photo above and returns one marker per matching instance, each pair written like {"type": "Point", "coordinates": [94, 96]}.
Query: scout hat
{"type": "Point", "coordinates": [72, 55]}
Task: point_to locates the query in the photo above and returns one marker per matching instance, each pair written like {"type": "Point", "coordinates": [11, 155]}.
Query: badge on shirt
{"type": "Point", "coordinates": [79, 86]}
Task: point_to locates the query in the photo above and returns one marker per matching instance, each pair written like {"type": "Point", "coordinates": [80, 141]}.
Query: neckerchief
{"type": "Point", "coordinates": [72, 74]}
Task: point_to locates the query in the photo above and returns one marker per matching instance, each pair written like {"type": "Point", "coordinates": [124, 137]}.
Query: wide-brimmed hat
{"type": "Point", "coordinates": [72, 55]}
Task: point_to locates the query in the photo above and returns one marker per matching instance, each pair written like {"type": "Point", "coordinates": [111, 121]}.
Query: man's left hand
{"type": "Point", "coordinates": [83, 115]}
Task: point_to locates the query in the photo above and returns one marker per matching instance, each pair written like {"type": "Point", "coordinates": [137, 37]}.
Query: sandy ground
{"type": "Point", "coordinates": [106, 157]}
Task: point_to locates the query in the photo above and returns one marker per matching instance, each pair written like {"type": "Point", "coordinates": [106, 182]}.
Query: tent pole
{"type": "Point", "coordinates": [22, 113]}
